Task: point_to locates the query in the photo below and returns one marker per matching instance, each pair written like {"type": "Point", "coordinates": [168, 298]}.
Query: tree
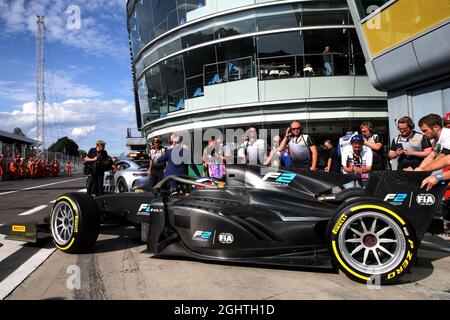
{"type": "Point", "coordinates": [19, 132]}
{"type": "Point", "coordinates": [65, 145]}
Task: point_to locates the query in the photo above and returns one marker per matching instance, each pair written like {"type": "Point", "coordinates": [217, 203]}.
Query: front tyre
{"type": "Point", "coordinates": [371, 242]}
{"type": "Point", "coordinates": [74, 222]}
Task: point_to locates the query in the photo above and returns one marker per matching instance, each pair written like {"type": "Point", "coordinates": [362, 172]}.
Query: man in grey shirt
{"type": "Point", "coordinates": [302, 148]}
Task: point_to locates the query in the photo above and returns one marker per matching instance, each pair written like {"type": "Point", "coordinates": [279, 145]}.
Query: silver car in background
{"type": "Point", "coordinates": [130, 173]}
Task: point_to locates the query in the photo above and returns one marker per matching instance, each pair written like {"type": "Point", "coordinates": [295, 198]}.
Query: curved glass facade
{"type": "Point", "coordinates": [280, 41]}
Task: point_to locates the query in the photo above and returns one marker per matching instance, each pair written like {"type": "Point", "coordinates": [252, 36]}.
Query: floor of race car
{"type": "Point", "coordinates": [119, 268]}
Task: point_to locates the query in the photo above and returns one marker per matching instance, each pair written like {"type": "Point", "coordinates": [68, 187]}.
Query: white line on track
{"type": "Point", "coordinates": [8, 247]}
{"type": "Point", "coordinates": [37, 187]}
{"type": "Point", "coordinates": [53, 201]}
{"type": "Point", "coordinates": [21, 273]}
{"type": "Point", "coordinates": [27, 213]}
{"type": "Point", "coordinates": [82, 190]}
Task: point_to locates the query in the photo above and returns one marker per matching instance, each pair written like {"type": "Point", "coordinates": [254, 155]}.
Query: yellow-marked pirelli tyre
{"type": "Point", "coordinates": [371, 242]}
{"type": "Point", "coordinates": [74, 222]}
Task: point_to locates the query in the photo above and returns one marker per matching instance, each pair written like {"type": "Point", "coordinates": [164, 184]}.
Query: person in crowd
{"type": "Point", "coordinates": [285, 158]}
{"type": "Point", "coordinates": [68, 168]}
{"type": "Point", "coordinates": [431, 126]}
{"type": "Point", "coordinates": [213, 160]}
{"type": "Point", "coordinates": [328, 61]}
{"type": "Point", "coordinates": [54, 168]}
{"type": "Point", "coordinates": [155, 169]}
{"type": "Point", "coordinates": [303, 150]}
{"type": "Point", "coordinates": [357, 159]}
{"type": "Point", "coordinates": [273, 159]}
{"type": "Point", "coordinates": [375, 143]}
{"type": "Point", "coordinates": [308, 71]}
{"type": "Point", "coordinates": [255, 150]}
{"type": "Point", "coordinates": [99, 160]}
{"type": "Point", "coordinates": [344, 141]}
{"type": "Point", "coordinates": [174, 157]}
{"type": "Point", "coordinates": [333, 160]}
{"type": "Point", "coordinates": [409, 147]}
{"type": "Point", "coordinates": [446, 120]}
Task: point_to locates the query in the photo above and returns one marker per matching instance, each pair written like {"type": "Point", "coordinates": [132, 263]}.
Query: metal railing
{"type": "Point", "coordinates": [309, 65]}
{"type": "Point", "coordinates": [227, 71]}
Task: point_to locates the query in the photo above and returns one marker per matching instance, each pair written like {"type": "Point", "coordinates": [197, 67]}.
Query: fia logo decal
{"type": "Point", "coordinates": [226, 238]}
{"type": "Point", "coordinates": [425, 199]}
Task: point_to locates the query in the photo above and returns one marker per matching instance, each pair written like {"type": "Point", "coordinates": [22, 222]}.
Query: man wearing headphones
{"type": "Point", "coordinates": [375, 143]}
{"type": "Point", "coordinates": [410, 147]}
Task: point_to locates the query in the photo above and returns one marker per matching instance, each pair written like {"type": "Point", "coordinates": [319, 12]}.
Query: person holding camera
{"type": "Point", "coordinates": [302, 148]}
{"type": "Point", "coordinates": [410, 146]}
{"type": "Point", "coordinates": [98, 162]}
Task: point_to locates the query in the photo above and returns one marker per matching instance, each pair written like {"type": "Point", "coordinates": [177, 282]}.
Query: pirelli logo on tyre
{"type": "Point", "coordinates": [75, 228]}
{"type": "Point", "coordinates": [339, 224]}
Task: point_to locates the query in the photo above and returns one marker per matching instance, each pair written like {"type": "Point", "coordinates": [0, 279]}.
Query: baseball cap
{"type": "Point", "coordinates": [357, 139]}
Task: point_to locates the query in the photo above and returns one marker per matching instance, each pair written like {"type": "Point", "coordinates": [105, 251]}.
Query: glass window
{"type": "Point", "coordinates": [279, 17]}
{"type": "Point", "coordinates": [280, 44]}
{"type": "Point", "coordinates": [236, 24]}
{"type": "Point", "coordinates": [203, 32]}
{"type": "Point", "coordinates": [158, 107]}
{"type": "Point", "coordinates": [134, 33]}
{"type": "Point", "coordinates": [366, 7]}
{"type": "Point", "coordinates": [320, 17]}
{"type": "Point", "coordinates": [145, 21]}
{"type": "Point", "coordinates": [161, 11]}
{"type": "Point", "coordinates": [172, 76]}
{"type": "Point", "coordinates": [332, 61]}
{"type": "Point", "coordinates": [143, 100]}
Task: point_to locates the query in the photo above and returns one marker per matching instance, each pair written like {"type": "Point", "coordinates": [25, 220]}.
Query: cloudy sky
{"type": "Point", "coordinates": [88, 73]}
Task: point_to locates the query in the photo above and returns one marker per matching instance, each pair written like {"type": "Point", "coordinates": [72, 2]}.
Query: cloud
{"type": "Point", "coordinates": [58, 83]}
{"type": "Point", "coordinates": [82, 131]}
{"type": "Point", "coordinates": [102, 26]}
{"type": "Point", "coordinates": [84, 120]}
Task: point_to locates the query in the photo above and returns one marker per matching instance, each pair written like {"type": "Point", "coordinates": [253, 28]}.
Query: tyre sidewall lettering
{"type": "Point", "coordinates": [407, 232]}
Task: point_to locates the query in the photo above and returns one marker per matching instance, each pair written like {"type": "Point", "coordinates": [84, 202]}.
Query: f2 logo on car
{"type": "Point", "coordinates": [395, 197]}
{"type": "Point", "coordinates": [280, 177]}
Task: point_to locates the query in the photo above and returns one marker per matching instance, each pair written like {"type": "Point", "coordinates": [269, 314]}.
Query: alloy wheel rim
{"type": "Point", "coordinates": [371, 242]}
{"type": "Point", "coordinates": [62, 223]}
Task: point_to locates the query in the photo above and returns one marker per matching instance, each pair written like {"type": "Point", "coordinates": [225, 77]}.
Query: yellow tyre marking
{"type": "Point", "coordinates": [67, 247]}
{"type": "Point", "coordinates": [70, 201]}
{"type": "Point", "coordinates": [74, 207]}
{"type": "Point", "coordinates": [371, 206]}
{"type": "Point", "coordinates": [344, 265]}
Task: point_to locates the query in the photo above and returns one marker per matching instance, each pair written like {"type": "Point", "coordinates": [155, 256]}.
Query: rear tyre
{"type": "Point", "coordinates": [371, 242]}
{"type": "Point", "coordinates": [122, 186]}
{"type": "Point", "coordinates": [74, 222]}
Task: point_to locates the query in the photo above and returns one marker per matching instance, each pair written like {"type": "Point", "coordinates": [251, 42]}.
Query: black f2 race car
{"type": "Point", "coordinates": [266, 216]}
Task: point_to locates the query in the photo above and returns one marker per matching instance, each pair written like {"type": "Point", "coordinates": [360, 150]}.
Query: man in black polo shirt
{"type": "Point", "coordinates": [99, 161]}
{"type": "Point", "coordinates": [410, 147]}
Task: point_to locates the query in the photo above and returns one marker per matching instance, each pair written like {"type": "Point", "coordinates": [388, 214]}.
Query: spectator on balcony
{"type": "Point", "coordinates": [308, 71]}
{"type": "Point", "coordinates": [328, 61]}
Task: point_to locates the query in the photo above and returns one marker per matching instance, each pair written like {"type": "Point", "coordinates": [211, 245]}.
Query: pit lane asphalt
{"type": "Point", "coordinates": [24, 196]}
{"type": "Point", "coordinates": [118, 267]}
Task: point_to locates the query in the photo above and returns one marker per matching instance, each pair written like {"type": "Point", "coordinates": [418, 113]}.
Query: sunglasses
{"type": "Point", "coordinates": [295, 129]}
